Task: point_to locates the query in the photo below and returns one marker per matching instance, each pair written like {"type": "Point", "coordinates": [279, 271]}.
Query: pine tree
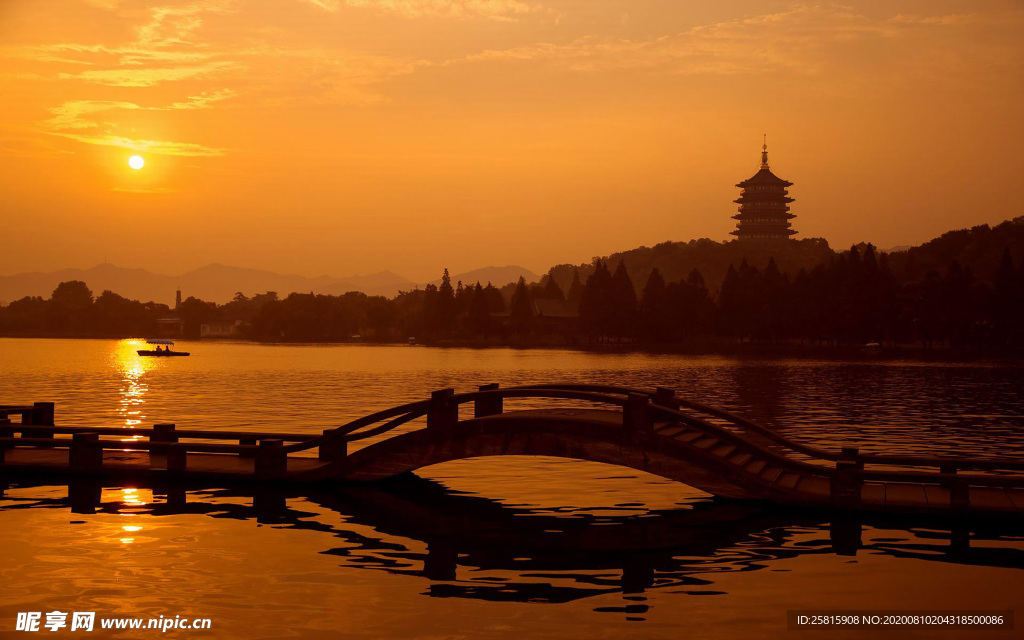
{"type": "Point", "coordinates": [595, 301]}
{"type": "Point", "coordinates": [551, 289]}
{"type": "Point", "coordinates": [521, 309]}
{"type": "Point", "coordinates": [623, 303]}
{"type": "Point", "coordinates": [575, 289]}
{"type": "Point", "coordinates": [477, 315]}
{"type": "Point", "coordinates": [653, 309]}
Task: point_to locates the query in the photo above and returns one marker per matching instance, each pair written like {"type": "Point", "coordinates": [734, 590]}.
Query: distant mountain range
{"type": "Point", "coordinates": [219, 283]}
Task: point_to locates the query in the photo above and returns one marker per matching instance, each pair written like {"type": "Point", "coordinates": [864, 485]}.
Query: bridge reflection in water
{"type": "Point", "coordinates": [472, 547]}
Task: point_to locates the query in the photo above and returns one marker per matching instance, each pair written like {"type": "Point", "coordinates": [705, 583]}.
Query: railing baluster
{"type": "Point", "coordinates": [271, 461]}
{"type": "Point", "coordinates": [334, 449]}
{"type": "Point", "coordinates": [162, 433]}
{"type": "Point", "coordinates": [85, 454]}
{"type": "Point", "coordinates": [959, 491]}
{"type": "Point", "coordinates": [250, 442]}
{"type": "Point", "coordinates": [177, 457]}
{"type": "Point", "coordinates": [636, 415]}
{"type": "Point", "coordinates": [847, 481]}
{"type": "Point", "coordinates": [41, 415]}
{"type": "Point", "coordinates": [489, 405]}
{"type": "Point", "coordinates": [442, 411]}
{"type": "Point", "coordinates": [664, 397]}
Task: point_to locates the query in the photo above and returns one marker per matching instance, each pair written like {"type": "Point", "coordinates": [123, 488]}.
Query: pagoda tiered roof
{"type": "Point", "coordinates": [764, 176]}
{"type": "Point", "coordinates": [764, 205]}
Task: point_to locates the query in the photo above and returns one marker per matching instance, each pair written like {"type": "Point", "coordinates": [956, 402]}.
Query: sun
{"type": "Point", "coordinates": [136, 162]}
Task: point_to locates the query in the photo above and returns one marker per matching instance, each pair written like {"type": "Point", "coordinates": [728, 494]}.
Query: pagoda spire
{"type": "Point", "coordinates": [764, 153]}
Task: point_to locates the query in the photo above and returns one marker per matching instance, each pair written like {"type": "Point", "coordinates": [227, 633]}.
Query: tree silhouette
{"type": "Point", "coordinates": [521, 309]}
{"type": "Point", "coordinates": [623, 303]}
{"type": "Point", "coordinates": [654, 320]}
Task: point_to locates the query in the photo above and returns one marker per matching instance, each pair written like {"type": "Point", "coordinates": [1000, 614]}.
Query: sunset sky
{"type": "Point", "coordinates": [351, 136]}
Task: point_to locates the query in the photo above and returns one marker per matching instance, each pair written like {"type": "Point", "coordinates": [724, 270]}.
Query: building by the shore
{"type": "Point", "coordinates": [764, 205]}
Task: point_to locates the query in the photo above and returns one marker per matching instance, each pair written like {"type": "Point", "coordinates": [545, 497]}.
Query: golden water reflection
{"type": "Point", "coordinates": [132, 395]}
{"type": "Point", "coordinates": [132, 502]}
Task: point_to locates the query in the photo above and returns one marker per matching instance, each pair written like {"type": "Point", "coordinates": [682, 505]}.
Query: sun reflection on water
{"type": "Point", "coordinates": [132, 503]}
{"type": "Point", "coordinates": [132, 367]}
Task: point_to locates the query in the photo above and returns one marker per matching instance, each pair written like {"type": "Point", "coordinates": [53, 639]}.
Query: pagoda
{"type": "Point", "coordinates": [764, 205]}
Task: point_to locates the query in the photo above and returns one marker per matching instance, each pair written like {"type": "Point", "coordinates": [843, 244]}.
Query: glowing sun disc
{"type": "Point", "coordinates": [136, 162]}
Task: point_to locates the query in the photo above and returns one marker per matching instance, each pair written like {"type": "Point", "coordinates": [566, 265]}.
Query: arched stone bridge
{"type": "Point", "coordinates": [652, 431]}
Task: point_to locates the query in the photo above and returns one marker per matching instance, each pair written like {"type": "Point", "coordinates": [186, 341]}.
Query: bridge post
{"type": "Point", "coordinates": [636, 415]}
{"type": "Point", "coordinates": [336, 449]}
{"type": "Point", "coordinates": [41, 415]}
{"type": "Point", "coordinates": [488, 406]}
{"type": "Point", "coordinates": [85, 453]}
{"type": "Point", "coordinates": [162, 433]}
{"type": "Point", "coordinates": [664, 397]}
{"type": "Point", "coordinates": [6, 431]}
{"type": "Point", "coordinates": [247, 441]}
{"type": "Point", "coordinates": [84, 495]}
{"type": "Point", "coordinates": [271, 461]}
{"type": "Point", "coordinates": [177, 457]}
{"type": "Point", "coordinates": [847, 482]}
{"type": "Point", "coordinates": [442, 412]}
{"type": "Point", "coordinates": [959, 492]}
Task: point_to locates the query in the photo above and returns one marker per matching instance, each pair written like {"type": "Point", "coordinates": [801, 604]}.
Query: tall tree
{"type": "Point", "coordinates": [623, 303]}
{"type": "Point", "coordinates": [521, 309]}
{"type": "Point", "coordinates": [575, 288]}
{"type": "Point", "coordinates": [654, 319]}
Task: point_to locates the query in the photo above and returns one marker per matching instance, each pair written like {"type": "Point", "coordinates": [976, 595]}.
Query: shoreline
{"type": "Point", "coordinates": [751, 350]}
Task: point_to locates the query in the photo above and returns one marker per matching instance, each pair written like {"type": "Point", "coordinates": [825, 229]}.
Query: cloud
{"type": "Point", "coordinates": [69, 115]}
{"type": "Point", "coordinates": [493, 9]}
{"type": "Point", "coordinates": [807, 39]}
{"type": "Point", "coordinates": [175, 25]}
{"type": "Point", "coordinates": [161, 147]}
{"type": "Point", "coordinates": [73, 120]}
{"type": "Point", "coordinates": [204, 99]}
{"type": "Point", "coordinates": [148, 77]}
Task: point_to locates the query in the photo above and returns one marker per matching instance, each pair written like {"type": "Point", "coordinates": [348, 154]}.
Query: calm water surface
{"type": "Point", "coordinates": [496, 547]}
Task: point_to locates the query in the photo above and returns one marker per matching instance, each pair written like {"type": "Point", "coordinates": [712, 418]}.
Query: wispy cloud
{"type": "Point", "coordinates": [805, 40]}
{"type": "Point", "coordinates": [493, 9]}
{"type": "Point", "coordinates": [161, 147]}
{"type": "Point", "coordinates": [74, 120]}
{"type": "Point", "coordinates": [204, 100]}
{"type": "Point", "coordinates": [150, 76]}
{"type": "Point", "coordinates": [175, 25]}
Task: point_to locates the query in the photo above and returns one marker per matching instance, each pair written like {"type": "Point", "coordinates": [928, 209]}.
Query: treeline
{"type": "Point", "coordinates": [853, 298]}
{"type": "Point", "coordinates": [72, 311]}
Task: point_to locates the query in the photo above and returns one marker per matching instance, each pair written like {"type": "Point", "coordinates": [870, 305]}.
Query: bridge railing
{"type": "Point", "coordinates": [666, 397]}
{"type": "Point", "coordinates": [441, 410]}
{"type": "Point", "coordinates": [640, 409]}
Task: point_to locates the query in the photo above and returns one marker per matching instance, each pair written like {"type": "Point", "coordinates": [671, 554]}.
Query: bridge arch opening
{"type": "Point", "coordinates": [563, 484]}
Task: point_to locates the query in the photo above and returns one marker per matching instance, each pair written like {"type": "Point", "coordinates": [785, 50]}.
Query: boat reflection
{"type": "Point", "coordinates": [472, 547]}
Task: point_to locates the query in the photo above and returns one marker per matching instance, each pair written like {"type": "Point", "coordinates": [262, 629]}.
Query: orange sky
{"type": "Point", "coordinates": [351, 136]}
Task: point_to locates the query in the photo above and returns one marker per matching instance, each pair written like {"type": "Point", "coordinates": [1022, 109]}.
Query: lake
{"type": "Point", "coordinates": [497, 547]}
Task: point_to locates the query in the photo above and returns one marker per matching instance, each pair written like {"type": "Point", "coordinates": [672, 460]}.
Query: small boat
{"type": "Point", "coordinates": [161, 353]}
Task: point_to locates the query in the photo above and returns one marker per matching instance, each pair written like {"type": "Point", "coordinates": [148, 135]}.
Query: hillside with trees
{"type": "Point", "coordinates": [963, 290]}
